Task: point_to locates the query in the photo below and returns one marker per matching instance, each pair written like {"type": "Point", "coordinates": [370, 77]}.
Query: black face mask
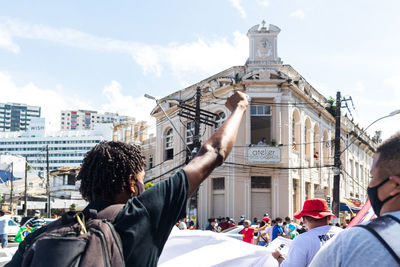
{"type": "Point", "coordinates": [376, 203]}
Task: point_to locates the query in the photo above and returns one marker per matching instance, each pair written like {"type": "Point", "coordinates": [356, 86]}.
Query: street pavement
{"type": "Point", "coordinates": [7, 253]}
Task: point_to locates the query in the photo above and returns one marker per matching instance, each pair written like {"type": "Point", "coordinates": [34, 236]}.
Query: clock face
{"type": "Point", "coordinates": [264, 48]}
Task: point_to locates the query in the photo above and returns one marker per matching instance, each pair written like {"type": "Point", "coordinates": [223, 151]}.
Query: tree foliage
{"type": "Point", "coordinates": [331, 108]}
{"type": "Point", "coordinates": [148, 185]}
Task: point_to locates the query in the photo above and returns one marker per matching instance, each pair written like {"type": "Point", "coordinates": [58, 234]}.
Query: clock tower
{"type": "Point", "coordinates": [263, 53]}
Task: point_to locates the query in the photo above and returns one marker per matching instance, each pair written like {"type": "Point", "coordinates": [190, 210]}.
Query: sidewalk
{"type": "Point", "coordinates": [6, 255]}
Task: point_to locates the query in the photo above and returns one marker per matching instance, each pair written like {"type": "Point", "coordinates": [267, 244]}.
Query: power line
{"type": "Point", "coordinates": [277, 167]}
{"type": "Point", "coordinates": [165, 160]}
{"type": "Point", "coordinates": [352, 178]}
{"type": "Point", "coordinates": [161, 175]}
{"type": "Point", "coordinates": [279, 145]}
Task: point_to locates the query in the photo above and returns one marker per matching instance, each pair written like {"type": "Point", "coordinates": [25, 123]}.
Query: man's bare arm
{"type": "Point", "coordinates": [216, 149]}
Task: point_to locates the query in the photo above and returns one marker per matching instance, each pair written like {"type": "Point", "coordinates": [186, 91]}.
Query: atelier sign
{"type": "Point", "coordinates": [264, 155]}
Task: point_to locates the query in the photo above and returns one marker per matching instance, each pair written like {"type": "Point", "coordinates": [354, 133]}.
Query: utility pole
{"type": "Point", "coordinates": [26, 188]}
{"type": "Point", "coordinates": [337, 163]}
{"type": "Point", "coordinates": [196, 138]}
{"type": "Point", "coordinates": [12, 187]}
{"type": "Point", "coordinates": [197, 145]}
{"type": "Point", "coordinates": [198, 116]}
{"type": "Point", "coordinates": [48, 183]}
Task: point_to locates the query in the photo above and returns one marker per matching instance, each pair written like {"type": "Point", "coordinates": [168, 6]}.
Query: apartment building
{"type": "Point", "coordinates": [87, 119]}
{"type": "Point", "coordinates": [130, 132]}
{"type": "Point", "coordinates": [65, 148]}
{"type": "Point", "coordinates": [17, 117]}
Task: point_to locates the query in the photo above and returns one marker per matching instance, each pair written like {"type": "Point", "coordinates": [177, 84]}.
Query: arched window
{"type": "Point", "coordinates": [296, 131]}
{"type": "Point", "coordinates": [169, 144]}
{"type": "Point", "coordinates": [189, 132]}
{"type": "Point", "coordinates": [307, 137]}
{"type": "Point", "coordinates": [316, 143]}
{"type": "Point", "coordinates": [219, 119]}
{"type": "Point", "coordinates": [326, 146]}
{"type": "Point", "coordinates": [150, 161]}
{"type": "Point", "coordinates": [190, 135]}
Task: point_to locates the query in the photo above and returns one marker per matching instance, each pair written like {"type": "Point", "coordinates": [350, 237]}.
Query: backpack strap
{"type": "Point", "coordinates": [384, 228]}
{"type": "Point", "coordinates": [110, 212]}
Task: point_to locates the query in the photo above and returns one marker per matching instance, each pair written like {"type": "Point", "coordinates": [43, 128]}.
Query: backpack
{"type": "Point", "coordinates": [70, 241]}
{"type": "Point", "coordinates": [386, 229]}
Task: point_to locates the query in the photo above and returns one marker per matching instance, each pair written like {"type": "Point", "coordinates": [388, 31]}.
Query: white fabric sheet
{"type": "Point", "coordinates": [198, 248]}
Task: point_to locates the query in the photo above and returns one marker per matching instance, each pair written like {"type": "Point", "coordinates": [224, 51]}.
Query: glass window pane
{"type": "Point", "coordinates": [218, 183]}
{"type": "Point", "coordinates": [260, 182]}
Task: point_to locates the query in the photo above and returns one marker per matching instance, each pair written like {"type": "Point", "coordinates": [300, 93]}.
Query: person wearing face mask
{"type": "Point", "coordinates": [277, 229]}
{"type": "Point", "coordinates": [113, 173]}
{"type": "Point", "coordinates": [316, 216]}
{"type": "Point", "coordinates": [376, 243]}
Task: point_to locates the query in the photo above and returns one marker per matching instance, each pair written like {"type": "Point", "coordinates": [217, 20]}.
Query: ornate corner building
{"type": "Point", "coordinates": [285, 146]}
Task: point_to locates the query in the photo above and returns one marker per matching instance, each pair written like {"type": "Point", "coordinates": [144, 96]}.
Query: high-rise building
{"type": "Point", "coordinates": [16, 117]}
{"type": "Point", "coordinates": [86, 119]}
{"type": "Point", "coordinates": [65, 148]}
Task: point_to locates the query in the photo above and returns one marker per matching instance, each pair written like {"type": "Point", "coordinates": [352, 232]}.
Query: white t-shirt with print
{"type": "Point", "coordinates": [262, 235]}
{"type": "Point", "coordinates": [286, 229]}
{"type": "Point", "coordinates": [268, 230]}
{"type": "Point", "coordinates": [306, 245]}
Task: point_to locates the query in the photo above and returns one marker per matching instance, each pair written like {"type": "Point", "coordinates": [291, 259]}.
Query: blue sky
{"type": "Point", "coordinates": [105, 55]}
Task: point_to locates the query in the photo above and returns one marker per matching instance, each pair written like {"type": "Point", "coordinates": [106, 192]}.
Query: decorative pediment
{"type": "Point", "coordinates": [263, 75]}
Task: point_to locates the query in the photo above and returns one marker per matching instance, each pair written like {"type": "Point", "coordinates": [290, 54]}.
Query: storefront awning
{"type": "Point", "coordinates": [351, 205]}
{"type": "Point", "coordinates": [344, 207]}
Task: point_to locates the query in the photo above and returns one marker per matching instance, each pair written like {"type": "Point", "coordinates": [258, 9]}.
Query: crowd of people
{"type": "Point", "coordinates": [264, 230]}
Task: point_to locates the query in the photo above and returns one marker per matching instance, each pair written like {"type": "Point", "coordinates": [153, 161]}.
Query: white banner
{"type": "Point", "coordinates": [264, 154]}
{"type": "Point", "coordinates": [199, 248]}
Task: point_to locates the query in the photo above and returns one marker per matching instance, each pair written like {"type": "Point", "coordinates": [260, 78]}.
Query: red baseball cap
{"type": "Point", "coordinates": [316, 208]}
{"type": "Point", "coordinates": [266, 219]}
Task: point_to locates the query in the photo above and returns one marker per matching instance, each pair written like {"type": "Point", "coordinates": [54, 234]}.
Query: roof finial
{"type": "Point", "coordinates": [263, 28]}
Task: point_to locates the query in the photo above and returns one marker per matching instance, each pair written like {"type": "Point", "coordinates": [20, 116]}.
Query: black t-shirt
{"type": "Point", "coordinates": [143, 224]}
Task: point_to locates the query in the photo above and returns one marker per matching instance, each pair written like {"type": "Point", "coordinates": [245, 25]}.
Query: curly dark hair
{"type": "Point", "coordinates": [389, 159]}
{"type": "Point", "coordinates": [106, 170]}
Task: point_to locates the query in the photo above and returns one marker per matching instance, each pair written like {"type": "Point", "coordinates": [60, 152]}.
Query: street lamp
{"type": "Point", "coordinates": [393, 113]}
{"type": "Point", "coordinates": [175, 129]}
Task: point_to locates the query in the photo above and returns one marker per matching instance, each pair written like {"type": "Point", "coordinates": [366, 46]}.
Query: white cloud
{"type": "Point", "coordinates": [394, 82]}
{"type": "Point", "coordinates": [137, 107]}
{"type": "Point", "coordinates": [207, 57]}
{"type": "Point", "coordinates": [263, 3]}
{"type": "Point", "coordinates": [238, 6]}
{"type": "Point", "coordinates": [360, 88]}
{"type": "Point", "coordinates": [201, 55]}
{"type": "Point", "coordinates": [6, 41]}
{"type": "Point", "coordinates": [298, 14]}
{"type": "Point", "coordinates": [53, 101]}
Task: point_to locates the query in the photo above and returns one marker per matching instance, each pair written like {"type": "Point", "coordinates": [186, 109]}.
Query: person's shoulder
{"type": "Point", "coordinates": [336, 229]}
{"type": "Point", "coordinates": [176, 179]}
{"type": "Point", "coordinates": [304, 237]}
{"type": "Point", "coordinates": [352, 236]}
